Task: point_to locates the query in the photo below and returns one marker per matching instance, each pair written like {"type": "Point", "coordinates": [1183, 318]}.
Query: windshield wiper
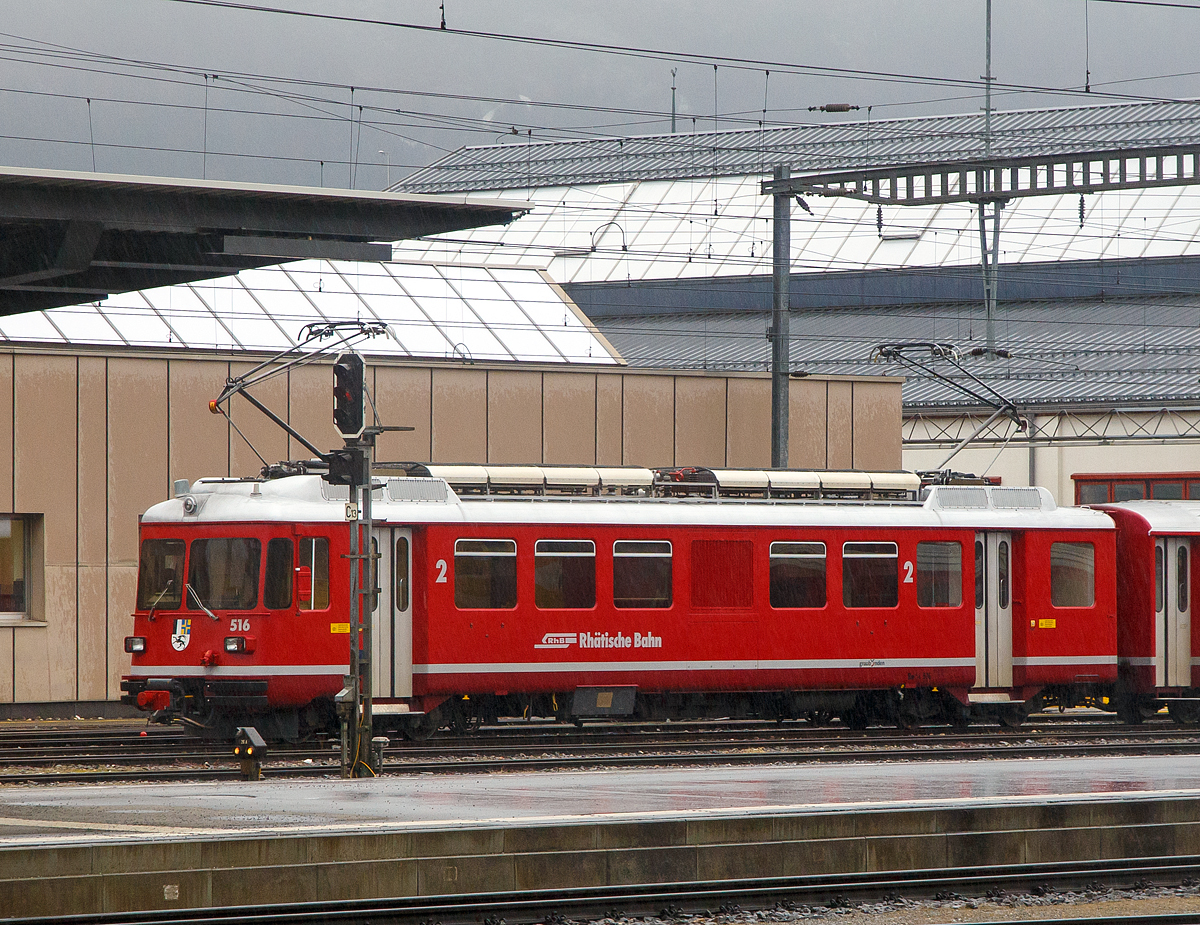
{"type": "Point", "coordinates": [192, 592]}
{"type": "Point", "coordinates": [154, 606]}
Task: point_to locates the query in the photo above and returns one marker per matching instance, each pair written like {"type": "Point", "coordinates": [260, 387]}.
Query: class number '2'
{"type": "Point", "coordinates": [908, 570]}
{"type": "Point", "coordinates": [440, 565]}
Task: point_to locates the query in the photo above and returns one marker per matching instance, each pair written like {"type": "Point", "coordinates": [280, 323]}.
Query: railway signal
{"type": "Point", "coordinates": [349, 405]}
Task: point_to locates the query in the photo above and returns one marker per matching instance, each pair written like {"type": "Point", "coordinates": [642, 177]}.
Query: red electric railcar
{"type": "Point", "coordinates": [582, 592]}
{"type": "Point", "coordinates": [1157, 542]}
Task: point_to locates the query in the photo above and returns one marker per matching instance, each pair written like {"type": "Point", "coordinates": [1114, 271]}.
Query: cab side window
{"type": "Point", "coordinates": [277, 590]}
{"type": "Point", "coordinates": [314, 555]}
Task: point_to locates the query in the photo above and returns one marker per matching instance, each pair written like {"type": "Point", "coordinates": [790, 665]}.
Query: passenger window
{"type": "Point", "coordinates": [1002, 573]}
{"type": "Point", "coordinates": [980, 575]}
{"type": "Point", "coordinates": [277, 592]}
{"type": "Point", "coordinates": [1181, 571]}
{"type": "Point", "coordinates": [564, 574]}
{"type": "Point", "coordinates": [160, 575]}
{"type": "Point", "coordinates": [223, 573]}
{"type": "Point", "coordinates": [722, 573]}
{"type": "Point", "coordinates": [797, 574]}
{"type": "Point", "coordinates": [314, 555]}
{"type": "Point", "coordinates": [1159, 579]}
{"type": "Point", "coordinates": [870, 574]}
{"type": "Point", "coordinates": [485, 574]}
{"type": "Point", "coordinates": [1072, 574]}
{"type": "Point", "coordinates": [641, 574]}
{"type": "Point", "coordinates": [939, 574]}
{"type": "Point", "coordinates": [401, 570]}
{"type": "Point", "coordinates": [1167, 491]}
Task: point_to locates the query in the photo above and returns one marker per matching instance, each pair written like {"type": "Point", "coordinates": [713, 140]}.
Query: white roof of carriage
{"type": "Point", "coordinates": [432, 310]}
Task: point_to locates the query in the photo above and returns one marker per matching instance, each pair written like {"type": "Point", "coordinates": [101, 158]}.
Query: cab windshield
{"type": "Point", "coordinates": [160, 575]}
{"type": "Point", "coordinates": [223, 573]}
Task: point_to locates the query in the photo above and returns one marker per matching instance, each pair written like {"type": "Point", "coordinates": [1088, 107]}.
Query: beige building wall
{"type": "Point", "coordinates": [88, 441]}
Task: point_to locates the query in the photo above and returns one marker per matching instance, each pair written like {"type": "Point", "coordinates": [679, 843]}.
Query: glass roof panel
{"type": "Point", "coordinates": [461, 326]}
{"type": "Point", "coordinates": [136, 321]}
{"type": "Point", "coordinates": [84, 324]}
{"type": "Point", "coordinates": [464, 311]}
{"type": "Point", "coordinates": [254, 329]}
{"type": "Point", "coordinates": [196, 326]}
{"type": "Point", "coordinates": [29, 326]}
{"type": "Point", "coordinates": [504, 318]}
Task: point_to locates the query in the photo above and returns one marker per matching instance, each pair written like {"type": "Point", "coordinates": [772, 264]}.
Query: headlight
{"type": "Point", "coordinates": [239, 643]}
{"type": "Point", "coordinates": [135, 643]}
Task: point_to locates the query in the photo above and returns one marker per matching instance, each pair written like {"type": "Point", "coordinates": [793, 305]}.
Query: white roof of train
{"type": "Point", "coordinates": [307, 499]}
{"type": "Point", "coordinates": [1164, 517]}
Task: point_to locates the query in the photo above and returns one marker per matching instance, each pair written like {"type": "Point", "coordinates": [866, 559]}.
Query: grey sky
{"type": "Point", "coordinates": [1143, 50]}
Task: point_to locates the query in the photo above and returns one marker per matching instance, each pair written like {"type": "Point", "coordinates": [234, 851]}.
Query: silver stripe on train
{"type": "Point", "coordinates": [771, 665]}
{"type": "Point", "coordinates": [235, 671]}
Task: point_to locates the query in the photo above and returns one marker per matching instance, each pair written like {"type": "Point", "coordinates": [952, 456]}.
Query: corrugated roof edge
{"type": "Point", "coordinates": [516, 173]}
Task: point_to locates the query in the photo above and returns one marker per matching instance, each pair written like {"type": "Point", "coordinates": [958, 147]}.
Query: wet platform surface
{"type": "Point", "coordinates": [89, 814]}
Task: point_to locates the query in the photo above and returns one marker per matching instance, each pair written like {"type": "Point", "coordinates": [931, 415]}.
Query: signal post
{"type": "Point", "coordinates": [352, 467]}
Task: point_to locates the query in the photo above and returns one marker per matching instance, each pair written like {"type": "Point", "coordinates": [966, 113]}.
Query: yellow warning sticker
{"type": "Point", "coordinates": [1042, 624]}
{"type": "Point", "coordinates": [339, 628]}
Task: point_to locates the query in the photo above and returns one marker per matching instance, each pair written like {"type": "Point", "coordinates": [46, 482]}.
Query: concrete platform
{"type": "Point", "coordinates": [126, 847]}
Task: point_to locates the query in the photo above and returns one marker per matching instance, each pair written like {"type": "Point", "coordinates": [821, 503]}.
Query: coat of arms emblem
{"type": "Point", "coordinates": [182, 635]}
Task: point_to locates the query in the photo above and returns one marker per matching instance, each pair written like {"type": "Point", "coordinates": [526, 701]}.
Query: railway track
{"type": "Point", "coordinates": [1083, 885]}
{"type": "Point", "coordinates": [123, 753]}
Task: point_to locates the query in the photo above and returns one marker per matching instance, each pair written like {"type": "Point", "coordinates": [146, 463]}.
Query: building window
{"type": "Point", "coordinates": [939, 574]}
{"type": "Point", "coordinates": [797, 574]}
{"type": "Point", "coordinates": [641, 574]}
{"type": "Point", "coordinates": [870, 574]}
{"type": "Point", "coordinates": [314, 556]}
{"type": "Point", "coordinates": [1072, 574]}
{"type": "Point", "coordinates": [485, 574]}
{"type": "Point", "coordinates": [564, 574]}
{"type": "Point", "coordinates": [277, 594]}
{"type": "Point", "coordinates": [1129, 491]}
{"type": "Point", "coordinates": [160, 575]}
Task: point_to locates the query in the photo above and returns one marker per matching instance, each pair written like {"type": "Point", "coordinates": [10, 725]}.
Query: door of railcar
{"type": "Point", "coordinates": [1172, 618]}
{"type": "Point", "coordinates": [993, 610]}
{"type": "Point", "coordinates": [391, 652]}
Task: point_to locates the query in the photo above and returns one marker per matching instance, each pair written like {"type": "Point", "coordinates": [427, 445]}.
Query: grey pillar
{"type": "Point", "coordinates": [781, 260]}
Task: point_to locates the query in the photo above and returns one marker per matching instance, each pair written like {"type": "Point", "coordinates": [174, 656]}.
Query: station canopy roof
{"type": "Point", "coordinates": [665, 241]}
{"type": "Point", "coordinates": [68, 237]}
{"type": "Point", "coordinates": [688, 206]}
{"type": "Point", "coordinates": [460, 313]}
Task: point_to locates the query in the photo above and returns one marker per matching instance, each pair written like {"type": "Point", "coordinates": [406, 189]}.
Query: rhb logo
{"type": "Point", "coordinates": [182, 635]}
{"type": "Point", "coordinates": [556, 641]}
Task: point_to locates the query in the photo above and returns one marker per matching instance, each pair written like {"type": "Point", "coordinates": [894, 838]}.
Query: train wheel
{"type": "Point", "coordinates": [856, 718]}
{"type": "Point", "coordinates": [422, 727]}
{"type": "Point", "coordinates": [818, 717]}
{"type": "Point", "coordinates": [1185, 714]}
{"type": "Point", "coordinates": [464, 723]}
{"type": "Point", "coordinates": [1013, 716]}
